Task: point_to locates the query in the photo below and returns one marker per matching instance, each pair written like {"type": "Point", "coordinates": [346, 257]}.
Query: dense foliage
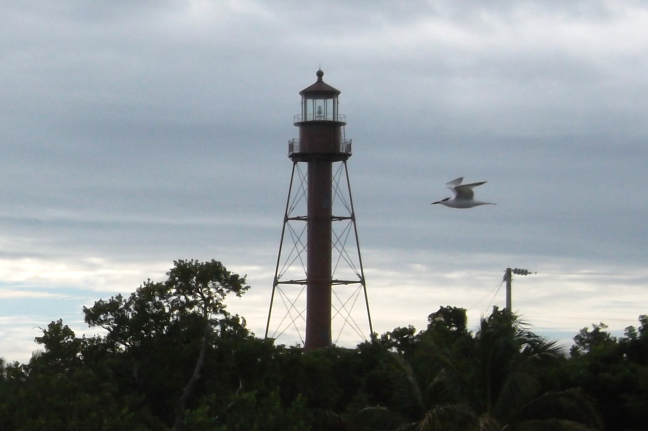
{"type": "Point", "coordinates": [173, 357]}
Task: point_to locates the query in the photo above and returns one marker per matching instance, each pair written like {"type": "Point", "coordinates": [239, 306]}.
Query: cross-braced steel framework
{"type": "Point", "coordinates": [287, 313]}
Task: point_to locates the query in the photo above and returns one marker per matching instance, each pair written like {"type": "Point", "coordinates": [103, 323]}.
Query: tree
{"type": "Point", "coordinates": [614, 371]}
{"type": "Point", "coordinates": [176, 319]}
{"type": "Point", "coordinates": [59, 389]}
{"type": "Point", "coordinates": [511, 382]}
{"type": "Point", "coordinates": [634, 344]}
{"type": "Point", "coordinates": [62, 348]}
{"type": "Point", "coordinates": [596, 339]}
{"type": "Point", "coordinates": [494, 380]}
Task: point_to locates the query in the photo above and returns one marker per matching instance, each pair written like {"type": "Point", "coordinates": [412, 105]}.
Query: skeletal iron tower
{"type": "Point", "coordinates": [317, 281]}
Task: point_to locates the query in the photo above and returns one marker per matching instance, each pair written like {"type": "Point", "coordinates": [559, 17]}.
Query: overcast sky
{"type": "Point", "coordinates": [134, 133]}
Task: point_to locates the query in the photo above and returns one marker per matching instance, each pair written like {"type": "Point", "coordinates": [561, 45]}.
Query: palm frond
{"type": "Point", "coordinates": [376, 419]}
{"type": "Point", "coordinates": [550, 425]}
{"type": "Point", "coordinates": [450, 418]}
{"type": "Point", "coordinates": [518, 388]}
{"type": "Point", "coordinates": [412, 389]}
{"type": "Point", "coordinates": [327, 418]}
{"type": "Point", "coordinates": [571, 405]}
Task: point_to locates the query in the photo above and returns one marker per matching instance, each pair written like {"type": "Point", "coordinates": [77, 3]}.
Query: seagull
{"type": "Point", "coordinates": [463, 195]}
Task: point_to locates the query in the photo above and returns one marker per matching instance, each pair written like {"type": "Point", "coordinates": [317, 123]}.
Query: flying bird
{"type": "Point", "coordinates": [463, 195]}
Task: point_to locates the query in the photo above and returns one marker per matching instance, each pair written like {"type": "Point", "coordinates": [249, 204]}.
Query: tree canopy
{"type": "Point", "coordinates": [171, 357]}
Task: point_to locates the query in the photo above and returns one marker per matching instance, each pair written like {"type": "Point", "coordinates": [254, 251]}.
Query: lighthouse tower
{"type": "Point", "coordinates": [318, 284]}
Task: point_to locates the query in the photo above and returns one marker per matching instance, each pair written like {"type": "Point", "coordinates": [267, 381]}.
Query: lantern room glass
{"type": "Point", "coordinates": [320, 109]}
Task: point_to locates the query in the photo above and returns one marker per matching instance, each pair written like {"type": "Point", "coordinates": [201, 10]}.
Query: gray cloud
{"type": "Point", "coordinates": [135, 133]}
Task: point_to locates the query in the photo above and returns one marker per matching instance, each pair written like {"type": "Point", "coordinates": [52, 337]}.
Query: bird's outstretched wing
{"type": "Point", "coordinates": [454, 183]}
{"type": "Point", "coordinates": [466, 191]}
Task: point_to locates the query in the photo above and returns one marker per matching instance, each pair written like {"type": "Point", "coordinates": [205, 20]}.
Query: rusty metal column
{"type": "Point", "coordinates": [318, 278]}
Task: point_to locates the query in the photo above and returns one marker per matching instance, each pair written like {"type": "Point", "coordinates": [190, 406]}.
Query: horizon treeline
{"type": "Point", "coordinates": [173, 358]}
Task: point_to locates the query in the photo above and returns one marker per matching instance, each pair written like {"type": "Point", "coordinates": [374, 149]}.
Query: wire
{"type": "Point", "coordinates": [496, 289]}
{"type": "Point", "coordinates": [494, 295]}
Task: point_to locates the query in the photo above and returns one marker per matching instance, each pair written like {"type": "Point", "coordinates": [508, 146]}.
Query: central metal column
{"type": "Point", "coordinates": [318, 278]}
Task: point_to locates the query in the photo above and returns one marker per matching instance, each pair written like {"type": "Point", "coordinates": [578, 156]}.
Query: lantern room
{"type": "Point", "coordinates": [321, 127]}
{"type": "Point", "coordinates": [319, 102]}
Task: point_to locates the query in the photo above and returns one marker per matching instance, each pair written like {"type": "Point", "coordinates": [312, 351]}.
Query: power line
{"type": "Point", "coordinates": [496, 289]}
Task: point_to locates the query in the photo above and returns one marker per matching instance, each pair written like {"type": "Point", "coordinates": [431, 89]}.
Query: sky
{"type": "Point", "coordinates": [136, 133]}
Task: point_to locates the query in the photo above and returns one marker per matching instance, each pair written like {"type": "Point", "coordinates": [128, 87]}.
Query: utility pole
{"type": "Point", "coordinates": [508, 277]}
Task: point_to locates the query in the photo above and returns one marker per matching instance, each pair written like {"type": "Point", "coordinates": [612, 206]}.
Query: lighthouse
{"type": "Point", "coordinates": [319, 280]}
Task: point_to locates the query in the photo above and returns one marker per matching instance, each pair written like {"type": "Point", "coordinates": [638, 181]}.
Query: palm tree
{"type": "Point", "coordinates": [507, 384]}
{"type": "Point", "coordinates": [494, 381]}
